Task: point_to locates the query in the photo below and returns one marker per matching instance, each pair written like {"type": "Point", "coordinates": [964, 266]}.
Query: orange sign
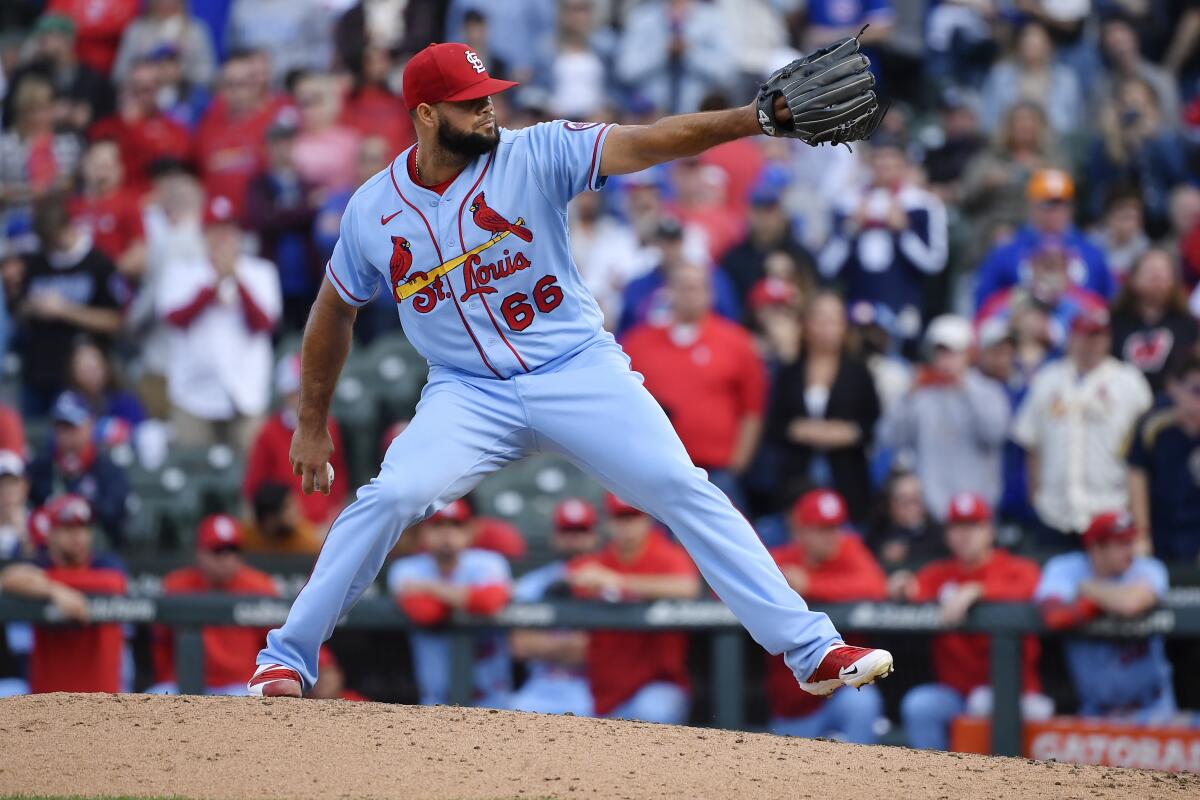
{"type": "Point", "coordinates": [1078, 741]}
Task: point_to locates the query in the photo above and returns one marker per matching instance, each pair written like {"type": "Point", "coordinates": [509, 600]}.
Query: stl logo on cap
{"type": "Point", "coordinates": [820, 508]}
{"type": "Point", "coordinates": [475, 61]}
{"type": "Point", "coordinates": [574, 514]}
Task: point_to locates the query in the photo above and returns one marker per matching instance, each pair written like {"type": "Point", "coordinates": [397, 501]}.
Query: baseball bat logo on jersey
{"type": "Point", "coordinates": [428, 286]}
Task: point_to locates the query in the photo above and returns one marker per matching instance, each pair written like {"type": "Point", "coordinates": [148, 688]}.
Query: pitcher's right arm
{"type": "Point", "coordinates": [322, 355]}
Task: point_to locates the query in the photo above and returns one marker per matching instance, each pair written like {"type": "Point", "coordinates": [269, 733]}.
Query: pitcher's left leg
{"type": "Point", "coordinates": [605, 421]}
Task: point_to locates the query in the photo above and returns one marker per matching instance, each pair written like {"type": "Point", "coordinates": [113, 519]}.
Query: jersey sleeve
{"type": "Point", "coordinates": [565, 157]}
{"type": "Point", "coordinates": [487, 568]}
{"type": "Point", "coordinates": [405, 570]}
{"type": "Point", "coordinates": [1151, 572]}
{"type": "Point", "coordinates": [1061, 577]}
{"type": "Point", "coordinates": [355, 280]}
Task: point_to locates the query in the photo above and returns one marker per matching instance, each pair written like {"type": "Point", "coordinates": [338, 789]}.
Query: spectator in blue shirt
{"type": "Point", "coordinates": [1051, 194]}
{"type": "Point", "coordinates": [1123, 679]}
{"type": "Point", "coordinates": [645, 298]}
{"type": "Point", "coordinates": [1164, 467]}
{"type": "Point", "coordinates": [829, 20]}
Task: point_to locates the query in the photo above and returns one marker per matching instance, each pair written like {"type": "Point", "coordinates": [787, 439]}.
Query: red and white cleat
{"type": "Point", "coordinates": [844, 665]}
{"type": "Point", "coordinates": [275, 680]}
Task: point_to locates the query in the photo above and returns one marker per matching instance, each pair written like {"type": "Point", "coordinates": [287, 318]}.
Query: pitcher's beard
{"type": "Point", "coordinates": [467, 145]}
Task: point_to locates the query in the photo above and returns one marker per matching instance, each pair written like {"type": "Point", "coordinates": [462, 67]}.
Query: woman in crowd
{"type": "Point", "coordinates": [823, 410]}
{"type": "Point", "coordinates": [1150, 320]}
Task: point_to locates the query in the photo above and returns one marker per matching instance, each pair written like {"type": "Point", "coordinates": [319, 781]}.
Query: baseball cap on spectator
{"type": "Point", "coordinates": [455, 511]}
{"type": "Point", "coordinates": [287, 375]}
{"type": "Point", "coordinates": [572, 515]}
{"type": "Point", "coordinates": [820, 508]}
{"type": "Point", "coordinates": [771, 291]}
{"type": "Point", "coordinates": [219, 532]}
{"type": "Point", "coordinates": [1108, 527]}
{"type": "Point", "coordinates": [448, 72]}
{"type": "Point", "coordinates": [164, 51]}
{"type": "Point", "coordinates": [285, 125]}
{"type": "Point", "coordinates": [68, 509]}
{"type": "Point", "coordinates": [669, 228]}
{"type": "Point", "coordinates": [993, 331]}
{"type": "Point", "coordinates": [39, 527]}
{"type": "Point", "coordinates": [769, 189]}
{"type": "Point", "coordinates": [1050, 186]}
{"type": "Point", "coordinates": [616, 507]}
{"type": "Point", "coordinates": [1090, 321]}
{"type": "Point", "coordinates": [11, 463]}
{"type": "Point", "coordinates": [70, 409]}
{"type": "Point", "coordinates": [219, 210]}
{"type": "Point", "coordinates": [950, 331]}
{"type": "Point", "coordinates": [54, 23]}
{"type": "Point", "coordinates": [967, 508]}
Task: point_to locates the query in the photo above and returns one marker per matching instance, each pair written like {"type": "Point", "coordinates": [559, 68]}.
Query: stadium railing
{"type": "Point", "coordinates": [1005, 623]}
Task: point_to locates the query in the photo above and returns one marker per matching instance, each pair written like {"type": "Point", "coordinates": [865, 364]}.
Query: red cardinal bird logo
{"type": "Point", "coordinates": [401, 259]}
{"type": "Point", "coordinates": [490, 221]}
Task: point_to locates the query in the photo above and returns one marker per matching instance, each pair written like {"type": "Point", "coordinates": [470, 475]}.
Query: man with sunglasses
{"type": "Point", "coordinates": [218, 569]}
{"type": "Point", "coordinates": [1164, 467]}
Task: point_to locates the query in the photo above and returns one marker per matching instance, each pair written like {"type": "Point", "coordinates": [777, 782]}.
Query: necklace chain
{"type": "Point", "coordinates": [416, 161]}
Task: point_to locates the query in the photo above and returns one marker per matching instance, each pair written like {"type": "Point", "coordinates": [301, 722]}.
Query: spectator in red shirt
{"type": "Point", "coordinates": [825, 563]}
{"type": "Point", "coordinates": [268, 460]}
{"type": "Point", "coordinates": [326, 151]}
{"type": "Point", "coordinates": [636, 675]}
{"type": "Point", "coordinates": [72, 658]}
{"type": "Point", "coordinates": [99, 25]}
{"type": "Point", "coordinates": [219, 569]}
{"type": "Point", "coordinates": [230, 138]}
{"type": "Point", "coordinates": [142, 132]}
{"type": "Point", "coordinates": [372, 108]}
{"type": "Point", "coordinates": [109, 210]}
{"type": "Point", "coordinates": [331, 680]}
{"type": "Point", "coordinates": [707, 375]}
{"type": "Point", "coordinates": [975, 571]}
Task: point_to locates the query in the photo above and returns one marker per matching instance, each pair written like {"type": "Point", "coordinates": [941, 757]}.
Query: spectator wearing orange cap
{"type": "Point", "coordinates": [1051, 194]}
{"type": "Point", "coordinates": [331, 683]}
{"type": "Point", "coordinates": [269, 461]}
{"type": "Point", "coordinates": [825, 563]}
{"type": "Point", "coordinates": [452, 576]}
{"type": "Point", "coordinates": [1074, 424]}
{"type": "Point", "coordinates": [222, 310]}
{"type": "Point", "coordinates": [704, 371]}
{"type": "Point", "coordinates": [71, 658]}
{"type": "Point", "coordinates": [218, 569]}
{"type": "Point", "coordinates": [976, 571]}
{"type": "Point", "coordinates": [1124, 678]}
{"type": "Point", "coordinates": [636, 675]}
{"type": "Point", "coordinates": [555, 659]}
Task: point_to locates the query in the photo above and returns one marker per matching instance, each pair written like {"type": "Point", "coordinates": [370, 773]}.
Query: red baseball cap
{"type": "Point", "coordinates": [820, 508]}
{"type": "Point", "coordinates": [772, 291]}
{"type": "Point", "coordinates": [449, 71]}
{"type": "Point", "coordinates": [326, 659]}
{"type": "Point", "coordinates": [69, 509]}
{"type": "Point", "coordinates": [574, 514]}
{"type": "Point", "coordinates": [219, 532]}
{"type": "Point", "coordinates": [616, 507]}
{"type": "Point", "coordinates": [39, 526]}
{"type": "Point", "coordinates": [1110, 526]}
{"type": "Point", "coordinates": [455, 511]}
{"type": "Point", "coordinates": [219, 210]}
{"type": "Point", "coordinates": [1093, 320]}
{"type": "Point", "coordinates": [967, 508]}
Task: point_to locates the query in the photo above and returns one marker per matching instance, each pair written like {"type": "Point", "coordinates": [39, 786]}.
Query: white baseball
{"type": "Point", "coordinates": [328, 476]}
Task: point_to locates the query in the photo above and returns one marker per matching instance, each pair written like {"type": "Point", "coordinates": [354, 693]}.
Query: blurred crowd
{"type": "Point", "coordinates": [973, 336]}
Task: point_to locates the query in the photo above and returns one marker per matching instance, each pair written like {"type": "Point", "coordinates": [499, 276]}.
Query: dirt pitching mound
{"type": "Point", "coordinates": [218, 747]}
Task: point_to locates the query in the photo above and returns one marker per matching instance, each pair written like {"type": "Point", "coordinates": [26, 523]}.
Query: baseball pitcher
{"type": "Point", "coordinates": [467, 230]}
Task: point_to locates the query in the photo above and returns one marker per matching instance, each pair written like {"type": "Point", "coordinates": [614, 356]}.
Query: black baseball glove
{"type": "Point", "coordinates": [830, 94]}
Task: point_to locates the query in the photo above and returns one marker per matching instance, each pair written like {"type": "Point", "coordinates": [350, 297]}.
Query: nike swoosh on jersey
{"type": "Point", "coordinates": [385, 220]}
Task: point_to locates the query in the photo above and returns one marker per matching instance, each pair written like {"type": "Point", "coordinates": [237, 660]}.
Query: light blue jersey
{"type": "Point", "coordinates": [431, 651]}
{"type": "Point", "coordinates": [1113, 676]}
{"type": "Point", "coordinates": [482, 275]}
{"type": "Point", "coordinates": [485, 287]}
